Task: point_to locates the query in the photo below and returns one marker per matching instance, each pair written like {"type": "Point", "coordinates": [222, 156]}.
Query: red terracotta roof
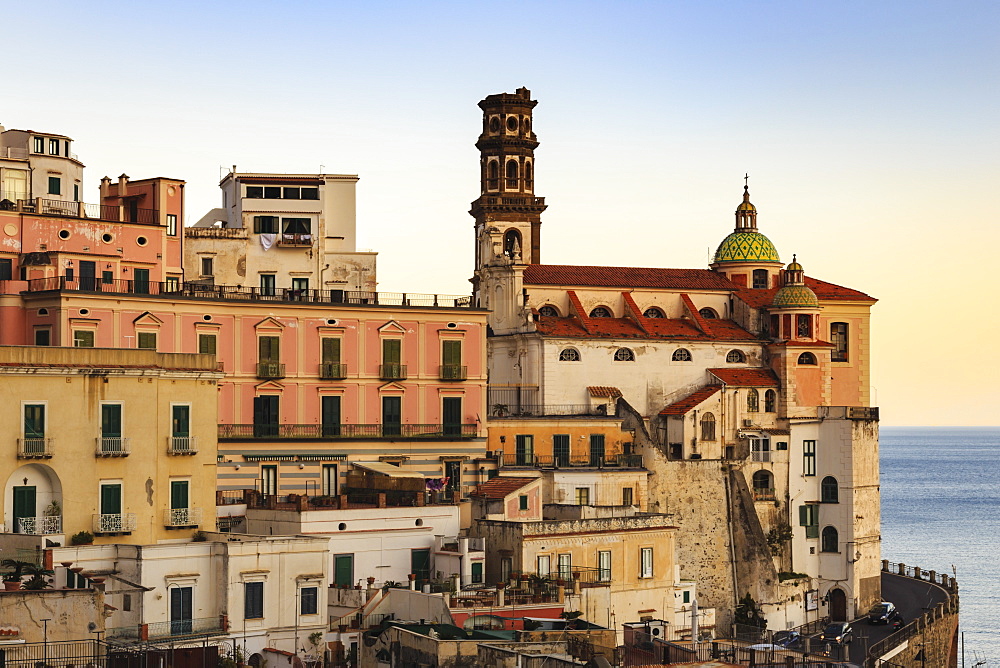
{"type": "Point", "coordinates": [690, 401]}
{"type": "Point", "coordinates": [699, 322]}
{"type": "Point", "coordinates": [824, 292]}
{"type": "Point", "coordinates": [604, 391]}
{"type": "Point", "coordinates": [746, 377]}
{"type": "Point", "coordinates": [626, 277]}
{"type": "Point", "coordinates": [655, 328]}
{"type": "Point", "coordinates": [500, 487]}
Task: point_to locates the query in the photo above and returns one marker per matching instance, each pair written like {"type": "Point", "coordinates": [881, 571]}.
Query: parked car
{"type": "Point", "coordinates": [839, 633]}
{"type": "Point", "coordinates": [881, 613]}
{"type": "Point", "coordinates": [786, 638]}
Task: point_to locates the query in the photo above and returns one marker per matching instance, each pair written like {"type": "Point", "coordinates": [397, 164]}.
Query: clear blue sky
{"type": "Point", "coordinates": [869, 130]}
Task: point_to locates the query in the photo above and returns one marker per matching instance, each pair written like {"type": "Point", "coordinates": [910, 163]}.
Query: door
{"type": "Point", "coordinates": [269, 480]}
{"type": "Point", "coordinates": [451, 360]}
{"type": "Point", "coordinates": [453, 471]}
{"type": "Point", "coordinates": [181, 610]}
{"type": "Point", "coordinates": [140, 281]}
{"type": "Point", "coordinates": [524, 450]}
{"type": "Point", "coordinates": [597, 449]}
{"type": "Point", "coordinates": [560, 449]}
{"type": "Point", "coordinates": [392, 416]}
{"type": "Point", "coordinates": [330, 415]}
{"type": "Point", "coordinates": [24, 505]}
{"type": "Point", "coordinates": [180, 514]}
{"type": "Point", "coordinates": [111, 508]}
{"type": "Point", "coordinates": [451, 416]}
{"type": "Point", "coordinates": [265, 416]}
{"type": "Point", "coordinates": [34, 429]}
{"type": "Point", "coordinates": [343, 570]}
{"type": "Point", "coordinates": [111, 428]}
{"type": "Point", "coordinates": [329, 474]}
{"type": "Point", "coordinates": [420, 565]}
{"type": "Point", "coordinates": [88, 275]}
{"type": "Point", "coordinates": [838, 605]}
{"type": "Point", "coordinates": [392, 359]}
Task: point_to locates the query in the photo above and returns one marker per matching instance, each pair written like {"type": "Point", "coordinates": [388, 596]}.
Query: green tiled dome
{"type": "Point", "coordinates": [746, 247]}
{"type": "Point", "coordinates": [795, 295]}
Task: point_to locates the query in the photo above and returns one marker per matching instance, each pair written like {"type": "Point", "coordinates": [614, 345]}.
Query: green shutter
{"type": "Point", "coordinates": [391, 351]}
{"type": "Point", "coordinates": [111, 499]}
{"type": "Point", "coordinates": [804, 516]}
{"type": "Point", "coordinates": [268, 348]}
{"type": "Point", "coordinates": [111, 420]}
{"type": "Point", "coordinates": [147, 340]}
{"type": "Point", "coordinates": [34, 421]}
{"type": "Point", "coordinates": [179, 494]}
{"type": "Point", "coordinates": [206, 344]}
{"type": "Point", "coordinates": [180, 424]}
{"type": "Point", "coordinates": [331, 351]}
{"type": "Point", "coordinates": [451, 353]}
{"type": "Point", "coordinates": [343, 570]}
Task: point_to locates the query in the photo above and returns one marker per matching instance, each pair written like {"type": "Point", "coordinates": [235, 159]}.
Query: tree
{"type": "Point", "coordinates": [748, 613]}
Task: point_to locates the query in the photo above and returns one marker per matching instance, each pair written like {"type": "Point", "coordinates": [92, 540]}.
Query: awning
{"type": "Point", "coordinates": [390, 470]}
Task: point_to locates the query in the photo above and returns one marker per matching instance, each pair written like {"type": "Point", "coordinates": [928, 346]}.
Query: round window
{"type": "Point", "coordinates": [494, 124]}
{"type": "Point", "coordinates": [206, 317]}
{"type": "Point", "coordinates": [107, 238]}
{"type": "Point", "coordinates": [341, 527]}
{"type": "Point", "coordinates": [512, 123]}
{"type": "Point", "coordinates": [142, 241]}
{"type": "Point", "coordinates": [85, 311]}
{"type": "Point", "coordinates": [64, 234]}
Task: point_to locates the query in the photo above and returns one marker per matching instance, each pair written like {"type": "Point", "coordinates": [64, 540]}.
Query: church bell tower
{"type": "Point", "coordinates": [507, 213]}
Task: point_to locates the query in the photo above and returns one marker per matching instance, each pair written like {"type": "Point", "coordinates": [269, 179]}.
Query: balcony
{"type": "Point", "coordinates": [102, 212]}
{"type": "Point", "coordinates": [206, 626]}
{"type": "Point", "coordinates": [352, 499]}
{"type": "Point", "coordinates": [245, 432]}
{"type": "Point", "coordinates": [525, 460]}
{"type": "Point", "coordinates": [121, 523]}
{"type": "Point", "coordinates": [196, 290]}
{"type": "Point", "coordinates": [112, 446]}
{"type": "Point", "coordinates": [762, 494]}
{"type": "Point", "coordinates": [332, 371]}
{"type": "Point", "coordinates": [182, 445]}
{"type": "Point", "coordinates": [40, 526]}
{"type": "Point", "coordinates": [760, 455]}
{"type": "Point", "coordinates": [181, 518]}
{"type": "Point", "coordinates": [452, 372]}
{"type": "Point", "coordinates": [267, 370]}
{"type": "Point", "coordinates": [392, 371]}
{"type": "Point", "coordinates": [34, 448]}
{"type": "Point", "coordinates": [295, 240]}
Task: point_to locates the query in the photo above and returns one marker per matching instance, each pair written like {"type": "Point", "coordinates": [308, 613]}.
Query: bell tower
{"type": "Point", "coordinates": [507, 213]}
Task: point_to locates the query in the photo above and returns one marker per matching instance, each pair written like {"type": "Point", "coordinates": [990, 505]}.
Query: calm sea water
{"type": "Point", "coordinates": [941, 510]}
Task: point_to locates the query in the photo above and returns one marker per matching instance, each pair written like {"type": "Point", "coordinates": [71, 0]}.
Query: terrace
{"type": "Point", "coordinates": [304, 432]}
{"type": "Point", "coordinates": [525, 460]}
{"type": "Point", "coordinates": [102, 212]}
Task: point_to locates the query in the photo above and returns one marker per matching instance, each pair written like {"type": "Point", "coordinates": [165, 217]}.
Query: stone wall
{"type": "Point", "coordinates": [69, 611]}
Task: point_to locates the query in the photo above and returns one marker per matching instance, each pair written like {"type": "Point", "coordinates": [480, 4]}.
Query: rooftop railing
{"type": "Point", "coordinates": [71, 209]}
{"type": "Point", "coordinates": [205, 626]}
{"type": "Point", "coordinates": [516, 460]}
{"type": "Point", "coordinates": [241, 432]}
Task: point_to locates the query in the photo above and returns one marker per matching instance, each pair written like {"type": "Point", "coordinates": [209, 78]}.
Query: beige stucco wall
{"type": "Point", "coordinates": [70, 613]}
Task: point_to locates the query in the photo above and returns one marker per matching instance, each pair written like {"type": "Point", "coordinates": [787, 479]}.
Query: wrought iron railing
{"type": "Point", "coordinates": [34, 447]}
{"type": "Point", "coordinates": [36, 526]}
{"type": "Point", "coordinates": [760, 455]}
{"type": "Point", "coordinates": [332, 371]}
{"type": "Point", "coordinates": [392, 371]}
{"type": "Point", "coordinates": [762, 494]}
{"type": "Point", "coordinates": [270, 370]}
{"type": "Point", "coordinates": [116, 523]}
{"type": "Point", "coordinates": [204, 626]}
{"type": "Point", "coordinates": [345, 431]}
{"type": "Point", "coordinates": [182, 517]}
{"type": "Point", "coordinates": [549, 461]}
{"type": "Point", "coordinates": [182, 445]}
{"type": "Point", "coordinates": [453, 372]}
{"type": "Point", "coordinates": [106, 212]}
{"type": "Point", "coordinates": [113, 446]}
{"type": "Point", "coordinates": [540, 410]}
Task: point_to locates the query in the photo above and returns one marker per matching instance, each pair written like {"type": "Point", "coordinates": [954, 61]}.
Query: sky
{"type": "Point", "coordinates": [869, 131]}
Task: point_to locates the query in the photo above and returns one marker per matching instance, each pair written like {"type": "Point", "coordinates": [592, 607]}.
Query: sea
{"type": "Point", "coordinates": [941, 511]}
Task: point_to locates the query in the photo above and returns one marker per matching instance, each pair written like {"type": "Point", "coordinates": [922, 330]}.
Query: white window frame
{"type": "Point", "coordinates": [645, 562]}
{"type": "Point", "coordinates": [543, 565]}
{"type": "Point", "coordinates": [604, 565]}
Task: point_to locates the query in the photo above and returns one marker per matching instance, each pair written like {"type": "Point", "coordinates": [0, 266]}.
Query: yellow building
{"type": "Point", "coordinates": [118, 443]}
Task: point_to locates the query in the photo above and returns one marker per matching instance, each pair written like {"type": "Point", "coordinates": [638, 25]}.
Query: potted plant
{"type": "Point", "coordinates": [38, 577]}
{"type": "Point", "coordinates": [81, 538]}
{"type": "Point", "coordinates": [12, 580]}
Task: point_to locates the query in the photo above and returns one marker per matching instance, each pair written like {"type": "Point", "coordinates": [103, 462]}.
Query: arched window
{"type": "Point", "coordinates": [652, 312]}
{"type": "Point", "coordinates": [601, 312]}
{"type": "Point", "coordinates": [804, 326]}
{"type": "Point", "coordinates": [708, 313]}
{"type": "Point", "coordinates": [830, 539]}
{"type": "Point", "coordinates": [763, 486]}
{"type": "Point", "coordinates": [548, 311]}
{"type": "Point", "coordinates": [708, 427]}
{"type": "Point", "coordinates": [569, 355]}
{"type": "Point", "coordinates": [511, 175]}
{"type": "Point", "coordinates": [838, 337]}
{"type": "Point", "coordinates": [753, 401]}
{"type": "Point", "coordinates": [807, 358]}
{"type": "Point", "coordinates": [493, 175]}
{"type": "Point", "coordinates": [760, 279]}
{"type": "Point", "coordinates": [736, 357]}
{"type": "Point", "coordinates": [829, 492]}
{"type": "Point", "coordinates": [770, 398]}
{"type": "Point", "coordinates": [682, 355]}
{"type": "Point", "coordinates": [624, 355]}
{"type": "Point", "coordinates": [527, 175]}
{"type": "Point", "coordinates": [512, 243]}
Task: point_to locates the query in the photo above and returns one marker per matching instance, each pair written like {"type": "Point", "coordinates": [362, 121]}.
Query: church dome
{"type": "Point", "coordinates": [795, 296]}
{"type": "Point", "coordinates": [746, 247]}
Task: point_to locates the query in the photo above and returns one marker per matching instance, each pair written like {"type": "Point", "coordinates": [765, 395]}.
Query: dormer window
{"type": "Point", "coordinates": [708, 313]}
{"type": "Point", "coordinates": [53, 147]}
{"type": "Point", "coordinates": [760, 279]}
{"type": "Point", "coordinates": [39, 145]}
{"type": "Point", "coordinates": [652, 312]}
{"type": "Point", "coordinates": [601, 312]}
{"type": "Point", "coordinates": [548, 311]}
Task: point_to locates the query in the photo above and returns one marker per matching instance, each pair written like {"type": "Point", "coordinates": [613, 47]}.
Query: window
{"type": "Point", "coordinates": [560, 449]}
{"type": "Point", "coordinates": [206, 344]}
{"type": "Point", "coordinates": [760, 279]}
{"type": "Point", "coordinates": [330, 415]}
{"type": "Point", "coordinates": [770, 399]}
{"type": "Point", "coordinates": [477, 572]}
{"type": "Point", "coordinates": [807, 358]}
{"type": "Point", "coordinates": [43, 337]}
{"type": "Point", "coordinates": [624, 355]}
{"type": "Point", "coordinates": [453, 472]}
{"type": "Point", "coordinates": [569, 355]}
{"type": "Point", "coordinates": [53, 147]}
{"type": "Point", "coordinates": [763, 486]}
{"type": "Point", "coordinates": [829, 490]}
{"type": "Point", "coordinates": [343, 570]}
{"type": "Point", "coordinates": [272, 192]}
{"type": "Point", "coordinates": [652, 312]}
{"type": "Point", "coordinates": [181, 609]}
{"type": "Point", "coordinates": [265, 415]}
{"type": "Point", "coordinates": [753, 401]}
{"type": "Point", "coordinates": [55, 185]}
{"type": "Point", "coordinates": [830, 540]}
{"type": "Point", "coordinates": [296, 225]}
{"type": "Point", "coordinates": [527, 174]}
{"type": "Point", "coordinates": [627, 499]}
{"type": "Point", "coordinates": [760, 449]}
{"type": "Point", "coordinates": [269, 480]}
{"type": "Point", "coordinates": [6, 269]}
{"type": "Point", "coordinates": [267, 285]}
{"type": "Point", "coordinates": [708, 313]}
{"type": "Point", "coordinates": [564, 563]}
{"type": "Point", "coordinates": [736, 357]}
{"type": "Point", "coordinates": [687, 596]}
{"type": "Point", "coordinates": [308, 600]}
{"type": "Point", "coordinates": [83, 338]}
{"type": "Point", "coordinates": [107, 277]}
{"type": "Point", "coordinates": [512, 243]}
{"type": "Point", "coordinates": [76, 192]}
{"type": "Point", "coordinates": [206, 267]}
{"type": "Point", "coordinates": [646, 562]}
{"type": "Point", "coordinates": [524, 450]}
{"type": "Point", "coordinates": [253, 600]}
{"type": "Point", "coordinates": [493, 175]}
{"type": "Point", "coordinates": [172, 284]}
{"type": "Point", "coordinates": [809, 518]}
{"type": "Point", "coordinates": [838, 337]}
{"type": "Point", "coordinates": [111, 428]}
{"type": "Point", "coordinates": [547, 311]}
{"type": "Point", "coordinates": [808, 457]}
{"type": "Point", "coordinates": [392, 356]}
{"type": "Point", "coordinates": [265, 224]}
{"type": "Point", "coordinates": [583, 496]}
{"type": "Point", "coordinates": [255, 192]}
{"type": "Point", "coordinates": [146, 340]}
{"type": "Point", "coordinates": [39, 146]}
{"type": "Point", "coordinates": [511, 175]}
{"type": "Point", "coordinates": [268, 349]}
{"type": "Point", "coordinates": [171, 225]}
{"type": "Point", "coordinates": [601, 312]}
{"type": "Point", "coordinates": [604, 565]}
{"type": "Point", "coordinates": [597, 449]}
{"type": "Point", "coordinates": [291, 193]}
{"type": "Point", "coordinates": [180, 421]}
{"type": "Point", "coordinates": [681, 355]}
{"type": "Point", "coordinates": [34, 426]}
{"type": "Point", "coordinates": [522, 502]}
{"type": "Point", "coordinates": [300, 285]}
{"type": "Point", "coordinates": [392, 416]}
{"type": "Point", "coordinates": [451, 360]}
{"type": "Point", "coordinates": [708, 427]}
{"type": "Point", "coordinates": [329, 479]}
{"type": "Point", "coordinates": [310, 193]}
{"type": "Point", "coordinates": [803, 325]}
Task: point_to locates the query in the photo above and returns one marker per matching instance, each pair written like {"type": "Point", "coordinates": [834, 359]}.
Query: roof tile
{"type": "Point", "coordinates": [500, 487]}
{"type": "Point", "coordinates": [743, 377]}
{"type": "Point", "coordinates": [625, 277]}
{"type": "Point", "coordinates": [690, 401]}
{"type": "Point", "coordinates": [655, 328]}
{"type": "Point", "coordinates": [604, 391]}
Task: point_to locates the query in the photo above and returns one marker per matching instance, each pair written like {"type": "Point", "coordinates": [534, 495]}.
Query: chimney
{"type": "Point", "coordinates": [105, 188]}
{"type": "Point", "coordinates": [123, 185]}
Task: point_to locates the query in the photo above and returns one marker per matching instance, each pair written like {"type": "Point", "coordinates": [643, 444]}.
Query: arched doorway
{"type": "Point", "coordinates": [838, 605]}
{"type": "Point", "coordinates": [33, 500]}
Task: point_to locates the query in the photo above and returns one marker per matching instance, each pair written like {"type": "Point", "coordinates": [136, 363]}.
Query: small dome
{"type": "Point", "coordinates": [793, 265]}
{"type": "Point", "coordinates": [795, 295]}
{"type": "Point", "coordinates": [746, 247]}
{"type": "Point", "coordinates": [746, 206]}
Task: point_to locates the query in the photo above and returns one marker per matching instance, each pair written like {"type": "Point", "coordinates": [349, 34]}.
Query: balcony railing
{"type": "Point", "coordinates": [241, 432]}
{"type": "Point", "coordinates": [526, 460]}
{"type": "Point", "coordinates": [295, 240]}
{"type": "Point", "coordinates": [392, 371]}
{"type": "Point", "coordinates": [763, 494]}
{"type": "Point", "coordinates": [120, 523]}
{"type": "Point", "coordinates": [37, 526]}
{"type": "Point", "coordinates": [112, 446]}
{"type": "Point", "coordinates": [760, 455]}
{"type": "Point", "coordinates": [542, 410]}
{"type": "Point", "coordinates": [182, 445]}
{"type": "Point", "coordinates": [206, 626]}
{"type": "Point", "coordinates": [270, 370]}
{"type": "Point", "coordinates": [452, 372]}
{"type": "Point", "coordinates": [332, 371]}
{"type": "Point", "coordinates": [34, 448]}
{"type": "Point", "coordinates": [104, 212]}
{"type": "Point", "coordinates": [196, 290]}
{"type": "Point", "coordinates": [182, 517]}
